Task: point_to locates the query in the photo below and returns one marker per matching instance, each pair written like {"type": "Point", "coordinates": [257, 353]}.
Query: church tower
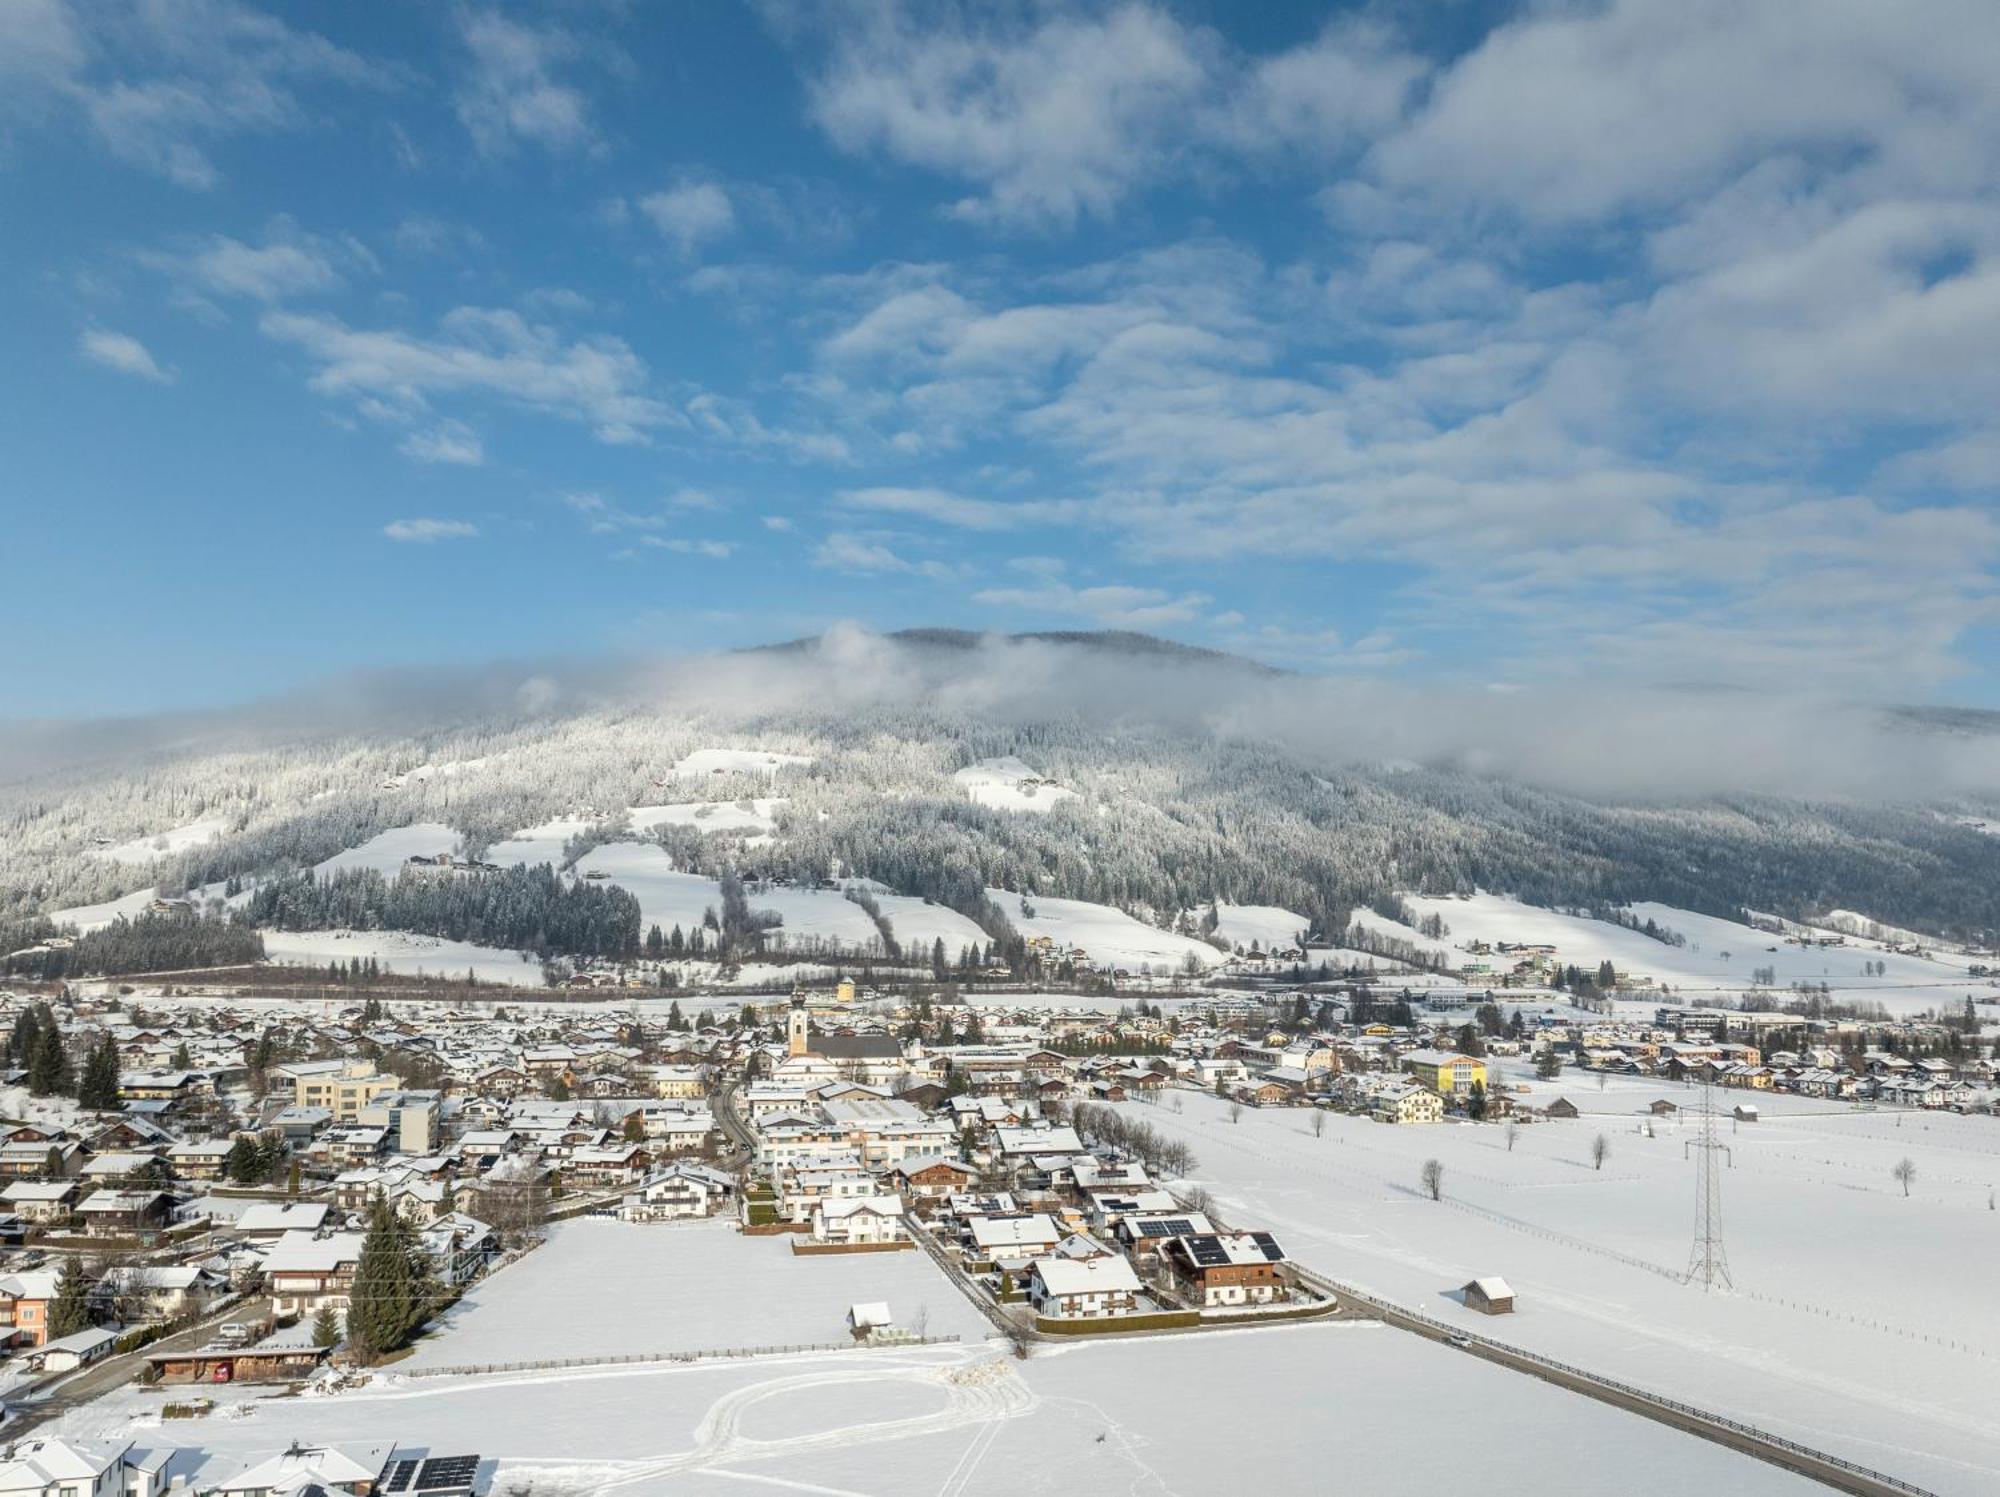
{"type": "Point", "coordinates": [796, 1026]}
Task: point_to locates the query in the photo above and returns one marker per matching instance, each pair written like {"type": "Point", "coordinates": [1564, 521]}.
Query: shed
{"type": "Point", "coordinates": [1562, 1107]}
{"type": "Point", "coordinates": [873, 1316]}
{"type": "Point", "coordinates": [1746, 1112]}
{"type": "Point", "coordinates": [79, 1349]}
{"type": "Point", "coordinates": [1489, 1296]}
{"type": "Point", "coordinates": [1663, 1108]}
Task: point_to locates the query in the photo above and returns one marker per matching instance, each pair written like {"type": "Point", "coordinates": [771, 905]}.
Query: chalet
{"type": "Point", "coordinates": [460, 1247]}
{"type": "Point", "coordinates": [267, 1221]}
{"type": "Point", "coordinates": [857, 1220]}
{"type": "Point", "coordinates": [42, 1201]}
{"type": "Point", "coordinates": [204, 1160]}
{"type": "Point", "coordinates": [54, 1159]}
{"type": "Point", "coordinates": [1562, 1107]}
{"type": "Point", "coordinates": [1227, 1268]}
{"type": "Point", "coordinates": [125, 1213]}
{"type": "Point", "coordinates": [1011, 1240]}
{"type": "Point", "coordinates": [1083, 1287]}
{"type": "Point", "coordinates": [932, 1178]}
{"type": "Point", "coordinates": [136, 1293]}
{"type": "Point", "coordinates": [1406, 1104]}
{"type": "Point", "coordinates": [305, 1273]}
{"type": "Point", "coordinates": [679, 1191]}
{"type": "Point", "coordinates": [1145, 1234]}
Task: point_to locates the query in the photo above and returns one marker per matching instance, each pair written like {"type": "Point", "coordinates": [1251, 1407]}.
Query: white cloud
{"type": "Point", "coordinates": [450, 442]}
{"type": "Point", "coordinates": [1114, 607]}
{"type": "Point", "coordinates": [122, 352]}
{"type": "Point", "coordinates": [776, 522]}
{"type": "Point", "coordinates": [1053, 121]}
{"type": "Point", "coordinates": [159, 83]}
{"type": "Point", "coordinates": [288, 264]}
{"type": "Point", "coordinates": [511, 93]}
{"type": "Point", "coordinates": [691, 215]}
{"type": "Point", "coordinates": [958, 511]}
{"type": "Point", "coordinates": [483, 353]}
{"type": "Point", "coordinates": [1058, 113]}
{"type": "Point", "coordinates": [686, 546]}
{"type": "Point", "coordinates": [424, 531]}
{"type": "Point", "coordinates": [844, 552]}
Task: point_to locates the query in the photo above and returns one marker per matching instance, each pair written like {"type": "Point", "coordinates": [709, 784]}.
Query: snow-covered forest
{"type": "Point", "coordinates": [1159, 819]}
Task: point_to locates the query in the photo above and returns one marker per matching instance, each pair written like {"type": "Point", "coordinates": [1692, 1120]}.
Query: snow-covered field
{"type": "Point", "coordinates": [1715, 964]}
{"type": "Point", "coordinates": [758, 817]}
{"type": "Point", "coordinates": [89, 917]}
{"type": "Point", "coordinates": [1264, 926]}
{"type": "Point", "coordinates": [737, 761]}
{"type": "Point", "coordinates": [1858, 1323]}
{"type": "Point", "coordinates": [400, 952]}
{"type": "Point", "coordinates": [1009, 784]}
{"type": "Point", "coordinates": [609, 1288]}
{"type": "Point", "coordinates": [1307, 1409]}
{"type": "Point", "coordinates": [388, 852]}
{"type": "Point", "coordinates": [164, 844]}
{"type": "Point", "coordinates": [1111, 937]}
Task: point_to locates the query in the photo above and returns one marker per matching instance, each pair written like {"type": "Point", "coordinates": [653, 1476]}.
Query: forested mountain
{"type": "Point", "coordinates": [1194, 780]}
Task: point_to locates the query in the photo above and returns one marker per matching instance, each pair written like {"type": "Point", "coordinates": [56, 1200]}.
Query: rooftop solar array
{"type": "Point", "coordinates": [441, 1474]}
{"type": "Point", "coordinates": [448, 1473]}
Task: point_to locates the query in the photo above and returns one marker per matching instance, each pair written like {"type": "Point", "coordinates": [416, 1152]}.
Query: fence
{"type": "Point", "coordinates": [639, 1359]}
{"type": "Point", "coordinates": [1646, 1399]}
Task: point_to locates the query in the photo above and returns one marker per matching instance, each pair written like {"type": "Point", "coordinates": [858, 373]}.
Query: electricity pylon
{"type": "Point", "coordinates": [1708, 1264]}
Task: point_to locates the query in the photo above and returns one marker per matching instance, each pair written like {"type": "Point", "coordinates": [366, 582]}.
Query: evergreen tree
{"type": "Point", "coordinates": [98, 1090]}
{"type": "Point", "coordinates": [388, 1304]}
{"type": "Point", "coordinates": [183, 1061]}
{"type": "Point", "coordinates": [69, 1311]}
{"type": "Point", "coordinates": [242, 1163]}
{"type": "Point", "coordinates": [326, 1327]}
{"type": "Point", "coordinates": [48, 1069]}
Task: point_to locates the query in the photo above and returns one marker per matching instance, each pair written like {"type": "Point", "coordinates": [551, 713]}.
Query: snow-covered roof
{"type": "Point", "coordinates": [1106, 1275]}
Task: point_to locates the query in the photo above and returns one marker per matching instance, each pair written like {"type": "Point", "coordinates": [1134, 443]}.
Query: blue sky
{"type": "Point", "coordinates": [1476, 344]}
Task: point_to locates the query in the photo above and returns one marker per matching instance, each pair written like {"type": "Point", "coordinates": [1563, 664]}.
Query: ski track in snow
{"type": "Point", "coordinates": [978, 1390]}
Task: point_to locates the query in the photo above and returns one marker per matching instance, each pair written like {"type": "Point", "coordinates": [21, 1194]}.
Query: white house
{"type": "Point", "coordinates": [855, 1220]}
{"type": "Point", "coordinates": [1083, 1286]}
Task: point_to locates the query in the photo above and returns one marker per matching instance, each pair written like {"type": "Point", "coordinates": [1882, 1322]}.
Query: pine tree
{"type": "Point", "coordinates": [98, 1090]}
{"type": "Point", "coordinates": [326, 1327]}
{"type": "Point", "coordinates": [183, 1061]}
{"type": "Point", "coordinates": [241, 1165]}
{"type": "Point", "coordinates": [383, 1309]}
{"type": "Point", "coordinates": [48, 1070]}
{"type": "Point", "coordinates": [69, 1311]}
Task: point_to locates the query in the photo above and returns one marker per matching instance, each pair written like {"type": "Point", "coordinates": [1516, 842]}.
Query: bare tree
{"type": "Point", "coordinates": [1905, 1172]}
{"type": "Point", "coordinates": [1318, 1123]}
{"type": "Point", "coordinates": [1235, 1112]}
{"type": "Point", "coordinates": [1600, 1147]}
{"type": "Point", "coordinates": [1433, 1178]}
{"type": "Point", "coordinates": [1513, 1132]}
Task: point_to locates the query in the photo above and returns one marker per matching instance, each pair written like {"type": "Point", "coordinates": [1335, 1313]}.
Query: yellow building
{"type": "Point", "coordinates": [345, 1093]}
{"type": "Point", "coordinates": [1446, 1072]}
{"type": "Point", "coordinates": [844, 993]}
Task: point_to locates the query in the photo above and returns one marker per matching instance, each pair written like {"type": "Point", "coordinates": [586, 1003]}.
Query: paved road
{"type": "Point", "coordinates": [112, 1372]}
{"type": "Point", "coordinates": [724, 1107]}
{"type": "Point", "coordinates": [1821, 1466]}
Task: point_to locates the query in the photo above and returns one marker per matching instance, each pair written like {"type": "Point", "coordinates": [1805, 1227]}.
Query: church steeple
{"type": "Point", "coordinates": [797, 1026]}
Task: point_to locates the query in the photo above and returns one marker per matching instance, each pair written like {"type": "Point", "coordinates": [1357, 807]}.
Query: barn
{"type": "Point", "coordinates": [1490, 1296]}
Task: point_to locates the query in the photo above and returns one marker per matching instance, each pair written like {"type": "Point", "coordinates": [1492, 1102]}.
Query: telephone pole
{"type": "Point", "coordinates": [1708, 1264]}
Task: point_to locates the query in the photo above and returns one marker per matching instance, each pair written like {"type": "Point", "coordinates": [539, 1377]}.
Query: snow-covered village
{"type": "Point", "coordinates": [970, 748]}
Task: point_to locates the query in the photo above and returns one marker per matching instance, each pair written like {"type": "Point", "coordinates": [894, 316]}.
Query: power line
{"type": "Point", "coordinates": [1708, 1264]}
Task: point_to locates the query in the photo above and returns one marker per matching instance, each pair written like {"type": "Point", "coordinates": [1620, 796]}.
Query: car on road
{"type": "Point", "coordinates": [233, 1333]}
{"type": "Point", "coordinates": [1459, 1339]}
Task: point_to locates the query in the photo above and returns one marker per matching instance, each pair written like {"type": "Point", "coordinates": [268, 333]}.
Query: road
{"type": "Point", "coordinates": [724, 1107]}
{"type": "Point", "coordinates": [1830, 1470]}
{"type": "Point", "coordinates": [114, 1371]}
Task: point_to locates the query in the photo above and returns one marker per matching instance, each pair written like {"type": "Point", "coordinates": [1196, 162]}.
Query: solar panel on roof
{"type": "Point", "coordinates": [400, 1475]}
{"type": "Point", "coordinates": [1269, 1245]}
{"type": "Point", "coordinates": [447, 1473]}
{"type": "Point", "coordinates": [1152, 1229]}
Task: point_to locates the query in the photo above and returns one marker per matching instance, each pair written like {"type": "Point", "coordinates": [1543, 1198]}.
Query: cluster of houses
{"type": "Point", "coordinates": [51, 1467]}
{"type": "Point", "coordinates": [852, 1152]}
